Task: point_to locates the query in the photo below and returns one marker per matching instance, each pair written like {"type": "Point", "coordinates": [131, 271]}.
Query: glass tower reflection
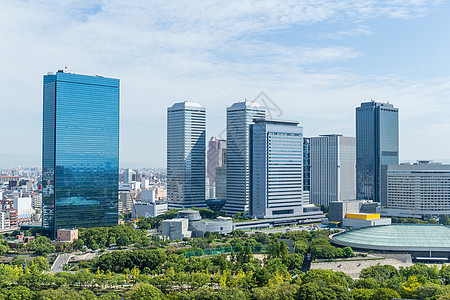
{"type": "Point", "coordinates": [376, 147]}
{"type": "Point", "coordinates": [80, 156]}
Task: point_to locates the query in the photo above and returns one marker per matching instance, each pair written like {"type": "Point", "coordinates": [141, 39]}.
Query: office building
{"type": "Point", "coordinates": [276, 169]}
{"type": "Point", "coordinates": [306, 170]}
{"type": "Point", "coordinates": [240, 116]}
{"type": "Point", "coordinates": [332, 169]}
{"type": "Point", "coordinates": [376, 146]}
{"type": "Point", "coordinates": [80, 156]}
{"type": "Point", "coordinates": [128, 176]}
{"type": "Point", "coordinates": [186, 161]}
{"type": "Point", "coordinates": [417, 190]}
{"type": "Point", "coordinates": [215, 158]}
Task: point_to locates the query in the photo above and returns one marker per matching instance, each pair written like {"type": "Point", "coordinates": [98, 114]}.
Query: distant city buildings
{"type": "Point", "coordinates": [80, 157]}
{"type": "Point", "coordinates": [276, 169]}
{"type": "Point", "coordinates": [240, 116]}
{"type": "Point", "coordinates": [333, 174]}
{"type": "Point", "coordinates": [377, 144]}
{"type": "Point", "coordinates": [186, 161]}
{"type": "Point", "coordinates": [216, 159]}
{"type": "Point", "coordinates": [416, 190]}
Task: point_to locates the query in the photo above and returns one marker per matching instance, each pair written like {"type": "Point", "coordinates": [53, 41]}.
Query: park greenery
{"type": "Point", "coordinates": [133, 264]}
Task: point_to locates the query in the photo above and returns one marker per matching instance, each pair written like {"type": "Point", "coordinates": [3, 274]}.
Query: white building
{"type": "Point", "coordinates": [239, 117]}
{"type": "Point", "coordinates": [333, 169]}
{"type": "Point", "coordinates": [417, 189]}
{"type": "Point", "coordinates": [4, 220]}
{"type": "Point", "coordinates": [148, 210]}
{"type": "Point", "coordinates": [176, 229]}
{"type": "Point", "coordinates": [24, 208]}
{"type": "Point", "coordinates": [186, 155]}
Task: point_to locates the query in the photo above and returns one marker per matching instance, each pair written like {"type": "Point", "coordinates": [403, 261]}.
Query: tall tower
{"type": "Point", "coordinates": [239, 117]}
{"type": "Point", "coordinates": [376, 146]}
{"type": "Point", "coordinates": [332, 169]}
{"type": "Point", "coordinates": [186, 163]}
{"type": "Point", "coordinates": [276, 169]}
{"type": "Point", "coordinates": [80, 151]}
{"type": "Point", "coordinates": [214, 160]}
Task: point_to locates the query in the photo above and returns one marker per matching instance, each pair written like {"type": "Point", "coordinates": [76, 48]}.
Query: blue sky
{"type": "Point", "coordinates": [317, 60]}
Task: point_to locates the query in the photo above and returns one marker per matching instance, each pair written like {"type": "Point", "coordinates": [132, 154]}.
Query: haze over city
{"type": "Point", "coordinates": [316, 62]}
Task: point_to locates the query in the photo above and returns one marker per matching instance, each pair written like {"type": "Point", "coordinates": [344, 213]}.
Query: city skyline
{"type": "Point", "coordinates": [313, 60]}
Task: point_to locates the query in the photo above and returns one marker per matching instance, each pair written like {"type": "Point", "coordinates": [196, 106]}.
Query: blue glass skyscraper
{"type": "Point", "coordinates": [376, 147]}
{"type": "Point", "coordinates": [80, 151]}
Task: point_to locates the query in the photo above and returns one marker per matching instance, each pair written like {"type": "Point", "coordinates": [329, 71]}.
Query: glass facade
{"type": "Point", "coordinates": [276, 169]}
{"type": "Point", "coordinates": [239, 118]}
{"type": "Point", "coordinates": [306, 164]}
{"type": "Point", "coordinates": [80, 156]}
{"type": "Point", "coordinates": [186, 159]}
{"type": "Point", "coordinates": [377, 145]}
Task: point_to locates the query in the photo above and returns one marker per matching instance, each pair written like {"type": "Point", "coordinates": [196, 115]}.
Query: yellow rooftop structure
{"type": "Point", "coordinates": [362, 216]}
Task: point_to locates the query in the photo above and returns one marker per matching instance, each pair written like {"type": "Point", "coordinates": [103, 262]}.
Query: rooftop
{"type": "Point", "coordinates": [397, 237]}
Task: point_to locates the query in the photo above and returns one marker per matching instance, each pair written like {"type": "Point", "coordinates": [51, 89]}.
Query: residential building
{"type": "Point", "coordinates": [332, 169]}
{"type": "Point", "coordinates": [240, 116]}
{"type": "Point", "coordinates": [80, 156]}
{"type": "Point", "coordinates": [186, 163]}
{"type": "Point", "coordinates": [276, 169]}
{"type": "Point", "coordinates": [377, 144]}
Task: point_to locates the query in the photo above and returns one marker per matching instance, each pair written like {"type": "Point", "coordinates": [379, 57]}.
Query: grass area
{"type": "Point", "coordinates": [351, 259]}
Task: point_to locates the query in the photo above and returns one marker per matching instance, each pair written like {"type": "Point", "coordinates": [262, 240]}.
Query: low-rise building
{"type": "Point", "coordinates": [361, 220]}
{"type": "Point", "coordinates": [66, 235]}
{"type": "Point", "coordinates": [148, 210]}
{"type": "Point", "coordinates": [176, 229]}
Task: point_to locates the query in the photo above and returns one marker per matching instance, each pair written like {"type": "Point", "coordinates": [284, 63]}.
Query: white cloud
{"type": "Point", "coordinates": [208, 51]}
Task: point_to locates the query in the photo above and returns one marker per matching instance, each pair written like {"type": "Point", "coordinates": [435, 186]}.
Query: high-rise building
{"type": "Point", "coordinates": [215, 157]}
{"type": "Point", "coordinates": [240, 116]}
{"type": "Point", "coordinates": [376, 146]}
{"type": "Point", "coordinates": [186, 149]}
{"type": "Point", "coordinates": [214, 160]}
{"type": "Point", "coordinates": [332, 169]}
{"type": "Point", "coordinates": [306, 169]}
{"type": "Point", "coordinates": [128, 176]}
{"type": "Point", "coordinates": [276, 169]}
{"type": "Point", "coordinates": [80, 151]}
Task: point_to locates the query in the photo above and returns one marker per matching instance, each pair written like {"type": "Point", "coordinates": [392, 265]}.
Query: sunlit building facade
{"type": "Point", "coordinates": [80, 153]}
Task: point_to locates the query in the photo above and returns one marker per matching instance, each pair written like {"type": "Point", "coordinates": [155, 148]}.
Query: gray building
{"type": "Point", "coordinates": [276, 169]}
{"type": "Point", "coordinates": [332, 169]}
{"type": "Point", "coordinates": [215, 158]}
{"type": "Point", "coordinates": [377, 140]}
{"type": "Point", "coordinates": [417, 189]}
{"type": "Point", "coordinates": [186, 146]}
{"type": "Point", "coordinates": [221, 178]}
{"type": "Point", "coordinates": [239, 117]}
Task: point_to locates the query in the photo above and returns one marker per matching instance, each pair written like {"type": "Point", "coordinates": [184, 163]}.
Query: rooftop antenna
{"type": "Point", "coordinates": [65, 69]}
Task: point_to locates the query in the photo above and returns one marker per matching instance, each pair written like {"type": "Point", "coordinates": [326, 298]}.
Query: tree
{"type": "Point", "coordinates": [42, 246]}
{"type": "Point", "coordinates": [379, 273]}
{"type": "Point", "coordinates": [384, 294]}
{"type": "Point", "coordinates": [123, 240]}
{"type": "Point", "coordinates": [20, 293]}
{"type": "Point", "coordinates": [444, 219]}
{"type": "Point", "coordinates": [348, 252]}
{"type": "Point", "coordinates": [146, 291]}
{"type": "Point", "coordinates": [312, 291]}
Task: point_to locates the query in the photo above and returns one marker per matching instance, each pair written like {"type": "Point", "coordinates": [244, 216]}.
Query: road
{"type": "Point", "coordinates": [60, 261]}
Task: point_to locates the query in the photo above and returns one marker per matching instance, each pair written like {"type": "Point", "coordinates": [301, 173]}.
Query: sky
{"type": "Point", "coordinates": [316, 60]}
